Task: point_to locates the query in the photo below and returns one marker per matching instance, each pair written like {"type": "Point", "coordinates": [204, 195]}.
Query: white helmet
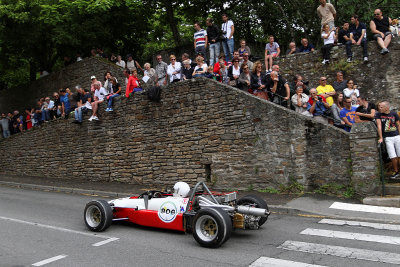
{"type": "Point", "coordinates": [181, 189]}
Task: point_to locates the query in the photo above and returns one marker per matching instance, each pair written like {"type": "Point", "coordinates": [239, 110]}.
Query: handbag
{"type": "Point", "coordinates": [261, 94]}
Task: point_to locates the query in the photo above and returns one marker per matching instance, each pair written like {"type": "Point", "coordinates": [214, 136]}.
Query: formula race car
{"type": "Point", "coordinates": [208, 215]}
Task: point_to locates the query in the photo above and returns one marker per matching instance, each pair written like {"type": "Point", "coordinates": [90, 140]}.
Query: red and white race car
{"type": "Point", "coordinates": [210, 216]}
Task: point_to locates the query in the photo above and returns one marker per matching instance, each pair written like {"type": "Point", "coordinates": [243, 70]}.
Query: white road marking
{"type": "Point", "coordinates": [365, 208]}
{"type": "Point", "coordinates": [343, 252]}
{"type": "Point", "coordinates": [98, 244]}
{"type": "Point", "coordinates": [353, 236]}
{"type": "Point", "coordinates": [272, 262]}
{"type": "Point", "coordinates": [55, 228]}
{"type": "Point", "coordinates": [43, 262]}
{"type": "Point", "coordinates": [379, 226]}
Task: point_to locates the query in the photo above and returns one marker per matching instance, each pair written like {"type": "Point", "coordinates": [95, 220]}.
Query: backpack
{"type": "Point", "coordinates": [154, 93]}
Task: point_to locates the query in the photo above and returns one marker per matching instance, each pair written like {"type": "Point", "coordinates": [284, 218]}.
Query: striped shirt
{"type": "Point", "coordinates": [200, 37]}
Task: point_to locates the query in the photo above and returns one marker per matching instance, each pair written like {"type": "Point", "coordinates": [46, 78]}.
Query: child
{"type": "Point", "coordinates": [210, 73]}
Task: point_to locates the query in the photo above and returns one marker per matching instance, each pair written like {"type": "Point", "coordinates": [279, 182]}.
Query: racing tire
{"type": "Point", "coordinates": [98, 215]}
{"type": "Point", "coordinates": [256, 202]}
{"type": "Point", "coordinates": [211, 227]}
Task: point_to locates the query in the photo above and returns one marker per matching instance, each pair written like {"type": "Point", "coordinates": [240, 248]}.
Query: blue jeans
{"type": "Point", "coordinates": [6, 133]}
{"type": "Point", "coordinates": [364, 45]}
{"type": "Point", "coordinates": [228, 46]}
{"type": "Point", "coordinates": [78, 113]}
{"type": "Point", "coordinates": [110, 100]}
{"type": "Point", "coordinates": [45, 115]}
{"type": "Point", "coordinates": [214, 53]}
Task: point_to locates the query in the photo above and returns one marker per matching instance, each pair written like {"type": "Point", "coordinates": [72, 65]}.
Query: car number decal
{"type": "Point", "coordinates": [167, 212]}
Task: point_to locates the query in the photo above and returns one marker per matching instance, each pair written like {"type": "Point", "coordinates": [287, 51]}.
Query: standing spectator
{"type": "Point", "coordinates": [271, 50]}
{"type": "Point", "coordinates": [132, 64]}
{"type": "Point", "coordinates": [99, 96]}
{"type": "Point", "coordinates": [348, 114]}
{"type": "Point", "coordinates": [329, 36]}
{"type": "Point", "coordinates": [336, 107]}
{"type": "Point", "coordinates": [344, 35]}
{"type": "Point", "coordinates": [317, 106]}
{"type": "Point", "coordinates": [174, 69]}
{"type": "Point", "coordinates": [245, 78]}
{"type": "Point", "coordinates": [305, 46]}
{"type": "Point", "coordinates": [65, 105]}
{"type": "Point", "coordinates": [94, 80]}
{"type": "Point", "coordinates": [258, 81]}
{"type": "Point", "coordinates": [200, 40]}
{"type": "Point", "coordinates": [200, 69]}
{"type": "Point", "coordinates": [228, 29]}
{"type": "Point", "coordinates": [234, 73]}
{"type": "Point", "coordinates": [340, 84]}
{"type": "Point", "coordinates": [292, 49]}
{"type": "Point", "coordinates": [213, 34]}
{"type": "Point", "coordinates": [85, 98]}
{"type": "Point", "coordinates": [115, 92]}
{"type": "Point", "coordinates": [278, 88]}
{"type": "Point", "coordinates": [5, 124]}
{"type": "Point", "coordinates": [150, 73]}
{"type": "Point", "coordinates": [243, 49]}
{"type": "Point", "coordinates": [300, 101]}
{"type": "Point", "coordinates": [120, 62]}
{"type": "Point", "coordinates": [246, 60]}
{"type": "Point", "coordinates": [388, 123]}
{"type": "Point", "coordinates": [161, 72]}
{"type": "Point", "coordinates": [358, 36]}
{"type": "Point", "coordinates": [187, 70]}
{"type": "Point", "coordinates": [365, 111]}
{"type": "Point", "coordinates": [326, 90]}
{"type": "Point", "coordinates": [351, 92]}
{"type": "Point", "coordinates": [327, 13]}
{"type": "Point", "coordinates": [379, 26]}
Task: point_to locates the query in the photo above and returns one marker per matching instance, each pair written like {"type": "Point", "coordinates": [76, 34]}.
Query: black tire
{"type": "Point", "coordinates": [211, 227]}
{"type": "Point", "coordinates": [98, 215]}
{"type": "Point", "coordinates": [254, 201]}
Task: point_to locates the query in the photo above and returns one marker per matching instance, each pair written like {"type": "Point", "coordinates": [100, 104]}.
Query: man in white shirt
{"type": "Point", "coordinates": [99, 96]}
{"type": "Point", "coordinates": [200, 39]}
{"type": "Point", "coordinates": [228, 29]}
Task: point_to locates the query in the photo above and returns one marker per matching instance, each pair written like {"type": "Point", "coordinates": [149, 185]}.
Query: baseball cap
{"type": "Point", "coordinates": [93, 77]}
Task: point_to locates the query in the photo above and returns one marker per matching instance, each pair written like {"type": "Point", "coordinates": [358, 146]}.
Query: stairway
{"type": "Point", "coordinates": [391, 198]}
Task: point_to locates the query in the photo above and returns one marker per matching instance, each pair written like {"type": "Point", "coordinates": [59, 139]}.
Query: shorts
{"type": "Point", "coordinates": [274, 54]}
{"type": "Point", "coordinates": [393, 146]}
{"type": "Point", "coordinates": [376, 36]}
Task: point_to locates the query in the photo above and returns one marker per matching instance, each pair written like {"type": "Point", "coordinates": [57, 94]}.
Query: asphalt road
{"type": "Point", "coordinates": [47, 229]}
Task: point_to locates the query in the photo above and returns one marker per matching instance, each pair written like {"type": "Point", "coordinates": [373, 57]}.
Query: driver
{"type": "Point", "coordinates": [181, 189]}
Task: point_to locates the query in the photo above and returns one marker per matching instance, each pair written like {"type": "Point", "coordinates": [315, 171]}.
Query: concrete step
{"type": "Point", "coordinates": [387, 201]}
{"type": "Point", "coordinates": [392, 189]}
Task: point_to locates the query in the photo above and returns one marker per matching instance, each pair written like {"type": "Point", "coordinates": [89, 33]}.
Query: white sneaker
{"type": "Point", "coordinates": [323, 61]}
{"type": "Point", "coordinates": [96, 118]}
{"type": "Point", "coordinates": [365, 59]}
{"type": "Point", "coordinates": [91, 118]}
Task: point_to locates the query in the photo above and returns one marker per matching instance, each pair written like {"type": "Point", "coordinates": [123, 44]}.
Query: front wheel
{"type": "Point", "coordinates": [98, 215]}
{"type": "Point", "coordinates": [211, 227]}
{"type": "Point", "coordinates": [256, 202]}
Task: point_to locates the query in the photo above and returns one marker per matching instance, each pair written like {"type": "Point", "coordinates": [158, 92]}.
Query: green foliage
{"type": "Point", "coordinates": [292, 187]}
{"type": "Point", "coordinates": [270, 190]}
{"type": "Point", "coordinates": [336, 189]}
{"type": "Point", "coordinates": [250, 187]}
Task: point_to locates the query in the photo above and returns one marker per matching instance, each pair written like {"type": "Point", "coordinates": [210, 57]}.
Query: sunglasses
{"type": "Point", "coordinates": [246, 68]}
{"type": "Point", "coordinates": [173, 58]}
{"type": "Point", "coordinates": [323, 80]}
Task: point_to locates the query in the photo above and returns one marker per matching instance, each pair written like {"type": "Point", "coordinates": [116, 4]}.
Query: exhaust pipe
{"type": "Point", "coordinates": [252, 211]}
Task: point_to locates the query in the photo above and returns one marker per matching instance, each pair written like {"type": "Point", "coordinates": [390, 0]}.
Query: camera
{"type": "Point", "coordinates": [319, 98]}
{"type": "Point", "coordinates": [305, 82]}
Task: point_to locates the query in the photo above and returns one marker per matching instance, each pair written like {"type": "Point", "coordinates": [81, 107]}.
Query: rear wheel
{"type": "Point", "coordinates": [98, 215]}
{"type": "Point", "coordinates": [256, 202]}
{"type": "Point", "coordinates": [211, 227]}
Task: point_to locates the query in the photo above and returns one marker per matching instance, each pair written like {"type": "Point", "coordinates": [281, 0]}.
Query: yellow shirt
{"type": "Point", "coordinates": [326, 89]}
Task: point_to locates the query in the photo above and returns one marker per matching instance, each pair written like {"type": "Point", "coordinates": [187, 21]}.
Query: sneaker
{"type": "Point", "coordinates": [384, 51]}
{"type": "Point", "coordinates": [323, 61]}
{"type": "Point", "coordinates": [110, 109]}
{"type": "Point", "coordinates": [91, 118]}
{"type": "Point", "coordinates": [107, 109]}
{"type": "Point", "coordinates": [75, 121]}
{"type": "Point", "coordinates": [365, 59]}
{"type": "Point", "coordinates": [395, 176]}
{"type": "Point", "coordinates": [95, 118]}
{"type": "Point", "coordinates": [327, 61]}
{"type": "Point", "coordinates": [349, 59]}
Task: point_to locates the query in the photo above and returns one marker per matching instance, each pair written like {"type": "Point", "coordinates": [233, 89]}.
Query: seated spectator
{"type": "Point", "coordinates": [258, 81]}
{"type": "Point", "coordinates": [85, 98]}
{"type": "Point", "coordinates": [340, 84]}
{"type": "Point", "coordinates": [132, 83]}
{"type": "Point", "coordinates": [65, 105]}
{"type": "Point", "coordinates": [149, 75]}
{"type": "Point", "coordinates": [329, 37]}
{"type": "Point", "coordinates": [317, 106]}
{"type": "Point", "coordinates": [187, 70]}
{"type": "Point", "coordinates": [93, 53]}
{"type": "Point", "coordinates": [271, 50]}
{"type": "Point", "coordinates": [101, 53]}
{"type": "Point", "coordinates": [45, 110]}
{"type": "Point", "coordinates": [243, 48]}
{"type": "Point", "coordinates": [300, 101]}
{"type": "Point", "coordinates": [298, 81]}
{"type": "Point", "coordinates": [348, 114]}
{"type": "Point", "coordinates": [379, 26]}
{"type": "Point", "coordinates": [221, 60]}
{"type": "Point", "coordinates": [113, 58]}
{"type": "Point", "coordinates": [99, 96]}
{"type": "Point", "coordinates": [5, 123]}
{"type": "Point", "coordinates": [351, 92]}
{"type": "Point", "coordinates": [235, 56]}
{"type": "Point", "coordinates": [185, 56]}
{"type": "Point", "coordinates": [292, 49]}
{"type": "Point", "coordinates": [94, 80]}
{"type": "Point", "coordinates": [234, 72]}
{"type": "Point", "coordinates": [388, 123]}
{"type": "Point", "coordinates": [51, 107]}
{"type": "Point", "coordinates": [78, 57]}
{"type": "Point", "coordinates": [174, 70]}
{"type": "Point", "coordinates": [115, 92]}
{"type": "Point", "coordinates": [222, 75]}
{"type": "Point", "coordinates": [344, 34]}
{"type": "Point", "coordinates": [278, 89]}
{"type": "Point", "coordinates": [358, 36]}
{"type": "Point", "coordinates": [336, 107]}
{"type": "Point", "coordinates": [325, 90]}
{"type": "Point", "coordinates": [107, 81]}
{"type": "Point", "coordinates": [200, 69]}
{"type": "Point", "coordinates": [246, 60]}
{"type": "Point", "coordinates": [244, 78]}
{"type": "Point", "coordinates": [120, 62]}
{"type": "Point", "coordinates": [57, 105]}
{"type": "Point", "coordinates": [132, 64]}
{"type": "Point", "coordinates": [305, 46]}
{"type": "Point", "coordinates": [210, 73]}
{"type": "Point", "coordinates": [365, 111]}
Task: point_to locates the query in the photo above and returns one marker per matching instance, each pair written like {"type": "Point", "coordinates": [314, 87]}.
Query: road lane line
{"type": "Point", "coordinates": [352, 236]}
{"type": "Point", "coordinates": [98, 244]}
{"type": "Point", "coordinates": [365, 208]}
{"type": "Point", "coordinates": [272, 262]}
{"type": "Point", "coordinates": [343, 252]}
{"type": "Point", "coordinates": [55, 228]}
{"type": "Point", "coordinates": [43, 262]}
{"type": "Point", "coordinates": [379, 226]}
